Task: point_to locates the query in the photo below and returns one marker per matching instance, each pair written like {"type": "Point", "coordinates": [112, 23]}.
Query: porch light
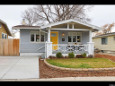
{"type": "Point", "coordinates": [63, 34]}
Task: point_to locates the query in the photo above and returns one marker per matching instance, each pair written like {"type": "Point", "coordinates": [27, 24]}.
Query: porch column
{"type": "Point", "coordinates": [48, 34]}
{"type": "Point", "coordinates": [48, 46]}
{"type": "Point", "coordinates": [90, 44]}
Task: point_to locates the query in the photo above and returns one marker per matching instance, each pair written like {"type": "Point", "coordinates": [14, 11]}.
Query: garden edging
{"type": "Point", "coordinates": [78, 69]}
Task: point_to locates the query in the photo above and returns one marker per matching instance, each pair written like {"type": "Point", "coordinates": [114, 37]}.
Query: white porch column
{"type": "Point", "coordinates": [90, 44]}
{"type": "Point", "coordinates": [48, 34]}
{"type": "Point", "coordinates": [48, 46]}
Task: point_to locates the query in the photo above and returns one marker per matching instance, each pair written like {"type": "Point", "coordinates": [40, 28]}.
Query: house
{"type": "Point", "coordinates": [63, 36]}
{"type": "Point", "coordinates": [105, 42]}
{"type": "Point", "coordinates": [4, 31]}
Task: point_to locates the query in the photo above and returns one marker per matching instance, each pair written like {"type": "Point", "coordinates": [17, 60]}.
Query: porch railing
{"type": "Point", "coordinates": [69, 48]}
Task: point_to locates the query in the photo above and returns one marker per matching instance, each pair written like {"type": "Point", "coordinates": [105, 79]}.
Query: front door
{"type": "Point", "coordinates": [54, 39]}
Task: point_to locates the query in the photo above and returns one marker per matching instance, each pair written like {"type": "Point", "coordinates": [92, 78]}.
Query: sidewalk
{"type": "Point", "coordinates": [106, 78]}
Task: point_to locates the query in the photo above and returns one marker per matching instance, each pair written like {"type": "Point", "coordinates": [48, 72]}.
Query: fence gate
{"type": "Point", "coordinates": [9, 47]}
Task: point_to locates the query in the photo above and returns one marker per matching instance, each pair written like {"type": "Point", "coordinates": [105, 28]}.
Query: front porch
{"type": "Point", "coordinates": [66, 48]}
{"type": "Point", "coordinates": [69, 36]}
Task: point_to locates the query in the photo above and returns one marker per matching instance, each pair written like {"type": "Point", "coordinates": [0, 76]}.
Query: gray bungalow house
{"type": "Point", "coordinates": [64, 36]}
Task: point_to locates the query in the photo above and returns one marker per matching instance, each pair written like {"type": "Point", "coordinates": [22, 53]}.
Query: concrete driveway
{"type": "Point", "coordinates": [19, 67]}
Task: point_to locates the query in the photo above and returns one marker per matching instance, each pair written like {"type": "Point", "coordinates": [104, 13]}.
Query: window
{"type": "Point", "coordinates": [4, 36]}
{"type": "Point", "coordinates": [74, 37]}
{"type": "Point", "coordinates": [37, 36]}
{"type": "Point", "coordinates": [32, 37]}
{"type": "Point", "coordinates": [103, 40]}
{"type": "Point", "coordinates": [69, 38]}
{"type": "Point", "coordinates": [78, 39]}
{"type": "Point", "coordinates": [53, 34]}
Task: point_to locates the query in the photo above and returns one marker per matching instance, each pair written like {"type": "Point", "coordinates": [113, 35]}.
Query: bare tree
{"type": "Point", "coordinates": [107, 28]}
{"type": "Point", "coordinates": [42, 14]}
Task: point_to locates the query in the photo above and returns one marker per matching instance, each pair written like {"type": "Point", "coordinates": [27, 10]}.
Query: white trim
{"type": "Point", "coordinates": [31, 54]}
{"type": "Point", "coordinates": [71, 20]}
{"type": "Point", "coordinates": [72, 25]}
{"type": "Point", "coordinates": [76, 38]}
{"type": "Point", "coordinates": [49, 32]}
{"type": "Point", "coordinates": [26, 28]}
{"type": "Point", "coordinates": [35, 32]}
{"type": "Point", "coordinates": [67, 25]}
{"type": "Point", "coordinates": [75, 29]}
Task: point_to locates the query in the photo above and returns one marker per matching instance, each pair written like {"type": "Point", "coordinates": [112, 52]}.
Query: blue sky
{"type": "Point", "coordinates": [99, 14]}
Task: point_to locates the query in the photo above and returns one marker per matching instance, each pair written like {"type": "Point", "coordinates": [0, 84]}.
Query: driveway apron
{"type": "Point", "coordinates": [19, 67]}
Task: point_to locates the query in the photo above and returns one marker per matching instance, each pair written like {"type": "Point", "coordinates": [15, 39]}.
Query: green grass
{"type": "Point", "coordinates": [82, 62]}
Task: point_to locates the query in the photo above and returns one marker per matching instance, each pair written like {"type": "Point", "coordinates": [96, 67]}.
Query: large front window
{"type": "Point", "coordinates": [74, 37]}
{"type": "Point", "coordinates": [37, 36]}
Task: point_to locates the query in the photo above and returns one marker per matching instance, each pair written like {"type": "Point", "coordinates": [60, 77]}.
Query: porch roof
{"type": "Point", "coordinates": [82, 25]}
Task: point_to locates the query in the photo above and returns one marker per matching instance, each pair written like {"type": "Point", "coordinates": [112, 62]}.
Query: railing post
{"type": "Point", "coordinates": [48, 49]}
{"type": "Point", "coordinates": [90, 48]}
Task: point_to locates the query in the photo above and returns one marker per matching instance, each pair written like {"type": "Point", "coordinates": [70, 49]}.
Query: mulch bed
{"type": "Point", "coordinates": [47, 72]}
{"type": "Point", "coordinates": [105, 56]}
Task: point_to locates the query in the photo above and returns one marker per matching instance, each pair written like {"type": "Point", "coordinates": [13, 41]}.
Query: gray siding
{"type": "Point", "coordinates": [85, 37]}
{"type": "Point", "coordinates": [26, 46]}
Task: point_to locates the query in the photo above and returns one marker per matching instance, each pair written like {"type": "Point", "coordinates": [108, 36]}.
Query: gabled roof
{"type": "Point", "coordinates": [71, 20]}
{"type": "Point", "coordinates": [104, 35]}
{"type": "Point", "coordinates": [6, 27]}
{"type": "Point", "coordinates": [25, 27]}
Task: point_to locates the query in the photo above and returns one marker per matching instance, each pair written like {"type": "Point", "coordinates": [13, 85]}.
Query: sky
{"type": "Point", "coordinates": [99, 14]}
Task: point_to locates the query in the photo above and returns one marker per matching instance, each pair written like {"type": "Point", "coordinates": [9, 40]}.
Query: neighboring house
{"type": "Point", "coordinates": [64, 36]}
{"type": "Point", "coordinates": [105, 42]}
{"type": "Point", "coordinates": [4, 31]}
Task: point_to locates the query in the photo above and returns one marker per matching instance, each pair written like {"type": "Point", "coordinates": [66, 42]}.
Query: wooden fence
{"type": "Point", "coordinates": [9, 47]}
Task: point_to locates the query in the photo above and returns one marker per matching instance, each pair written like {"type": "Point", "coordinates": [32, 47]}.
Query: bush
{"type": "Point", "coordinates": [79, 56]}
{"type": "Point", "coordinates": [51, 57]}
{"type": "Point", "coordinates": [71, 55]}
{"type": "Point", "coordinates": [90, 56]}
{"type": "Point", "coordinates": [84, 55]}
{"type": "Point", "coordinates": [59, 55]}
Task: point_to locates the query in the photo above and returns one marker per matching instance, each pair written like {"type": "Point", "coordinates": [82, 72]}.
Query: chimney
{"type": "Point", "coordinates": [23, 22]}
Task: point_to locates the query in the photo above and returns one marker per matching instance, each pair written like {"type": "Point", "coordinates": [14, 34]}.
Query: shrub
{"type": "Point", "coordinates": [71, 55]}
{"type": "Point", "coordinates": [59, 55]}
{"type": "Point", "coordinates": [84, 55]}
{"type": "Point", "coordinates": [90, 56]}
{"type": "Point", "coordinates": [79, 56]}
{"type": "Point", "coordinates": [51, 57]}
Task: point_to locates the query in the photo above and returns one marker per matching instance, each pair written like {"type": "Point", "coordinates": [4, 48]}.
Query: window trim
{"type": "Point", "coordinates": [105, 42]}
{"type": "Point", "coordinates": [37, 32]}
{"type": "Point", "coordinates": [4, 35]}
{"type": "Point", "coordinates": [76, 37]}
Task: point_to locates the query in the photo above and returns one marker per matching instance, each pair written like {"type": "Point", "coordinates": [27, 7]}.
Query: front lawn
{"type": "Point", "coordinates": [82, 62]}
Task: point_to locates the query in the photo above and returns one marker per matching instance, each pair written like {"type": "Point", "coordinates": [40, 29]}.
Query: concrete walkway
{"type": "Point", "coordinates": [106, 78]}
{"type": "Point", "coordinates": [19, 67]}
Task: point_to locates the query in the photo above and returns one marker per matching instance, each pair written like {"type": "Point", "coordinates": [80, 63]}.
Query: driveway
{"type": "Point", "coordinates": [19, 67]}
